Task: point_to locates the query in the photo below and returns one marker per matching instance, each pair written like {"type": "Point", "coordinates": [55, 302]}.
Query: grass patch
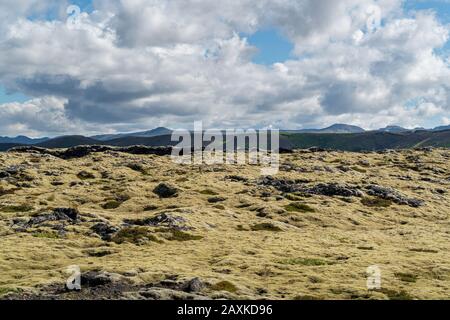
{"type": "Point", "coordinates": [46, 235]}
{"type": "Point", "coordinates": [98, 253]}
{"type": "Point", "coordinates": [5, 291]}
{"type": "Point", "coordinates": [358, 169]}
{"type": "Point", "coordinates": [216, 199]}
{"type": "Point", "coordinates": [18, 208]}
{"type": "Point", "coordinates": [423, 250]}
{"type": "Point", "coordinates": [110, 205]}
{"type": "Point", "coordinates": [4, 192]}
{"type": "Point", "coordinates": [396, 295]}
{"type": "Point", "coordinates": [208, 192]}
{"type": "Point", "coordinates": [376, 202]}
{"type": "Point", "coordinates": [298, 207]}
{"type": "Point", "coordinates": [182, 236]}
{"type": "Point", "coordinates": [135, 235]}
{"type": "Point", "coordinates": [266, 227]}
{"type": "Point", "coordinates": [151, 208]}
{"type": "Point", "coordinates": [241, 228]}
{"type": "Point", "coordinates": [116, 202]}
{"type": "Point", "coordinates": [293, 197]}
{"type": "Point", "coordinates": [406, 277]}
{"type": "Point", "coordinates": [367, 248]}
{"type": "Point", "coordinates": [84, 175]}
{"type": "Point", "coordinates": [306, 262]}
{"type": "Point", "coordinates": [137, 167]}
{"type": "Point", "coordinates": [224, 286]}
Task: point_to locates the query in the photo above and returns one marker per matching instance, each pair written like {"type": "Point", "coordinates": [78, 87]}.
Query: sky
{"type": "Point", "coordinates": [131, 65]}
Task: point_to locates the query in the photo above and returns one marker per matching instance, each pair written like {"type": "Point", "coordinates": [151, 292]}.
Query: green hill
{"type": "Point", "coordinates": [369, 141]}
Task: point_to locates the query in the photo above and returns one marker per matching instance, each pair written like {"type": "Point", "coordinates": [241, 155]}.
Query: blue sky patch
{"type": "Point", "coordinates": [6, 97]}
{"type": "Point", "coordinates": [272, 47]}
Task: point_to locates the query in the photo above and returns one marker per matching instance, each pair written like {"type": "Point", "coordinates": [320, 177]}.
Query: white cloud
{"type": "Point", "coordinates": [134, 64]}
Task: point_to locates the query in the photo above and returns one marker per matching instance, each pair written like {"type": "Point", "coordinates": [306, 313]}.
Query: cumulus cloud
{"type": "Point", "coordinates": [135, 64]}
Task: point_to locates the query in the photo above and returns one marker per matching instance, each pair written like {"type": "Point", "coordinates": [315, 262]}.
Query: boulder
{"type": "Point", "coordinates": [104, 230]}
{"type": "Point", "coordinates": [393, 195]}
{"type": "Point", "coordinates": [334, 189]}
{"type": "Point", "coordinates": [159, 220]}
{"type": "Point", "coordinates": [165, 190]}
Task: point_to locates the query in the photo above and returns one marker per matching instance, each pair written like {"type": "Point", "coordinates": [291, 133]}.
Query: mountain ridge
{"type": "Point", "coordinates": [392, 137]}
{"type": "Point", "coordinates": [338, 128]}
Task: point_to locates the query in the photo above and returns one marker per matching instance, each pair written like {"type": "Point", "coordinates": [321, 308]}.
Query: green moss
{"type": "Point", "coordinates": [293, 197]}
{"type": "Point", "coordinates": [84, 175]}
{"type": "Point", "coordinates": [135, 235]}
{"type": "Point", "coordinates": [98, 253]}
{"type": "Point", "coordinates": [151, 208]}
{"type": "Point", "coordinates": [137, 167]}
{"type": "Point", "coordinates": [3, 191]}
{"type": "Point", "coordinates": [298, 207]}
{"type": "Point", "coordinates": [266, 227]}
{"type": "Point", "coordinates": [224, 286]}
{"type": "Point", "coordinates": [396, 295]}
{"type": "Point", "coordinates": [367, 248]}
{"type": "Point", "coordinates": [5, 291]}
{"type": "Point", "coordinates": [216, 199]}
{"type": "Point", "coordinates": [406, 277]}
{"type": "Point", "coordinates": [18, 208]}
{"type": "Point", "coordinates": [178, 235]}
{"type": "Point", "coordinates": [208, 192]}
{"type": "Point", "coordinates": [46, 235]}
{"type": "Point", "coordinates": [358, 169]}
{"type": "Point", "coordinates": [306, 262]}
{"type": "Point", "coordinates": [422, 250]}
{"type": "Point", "coordinates": [376, 202]}
{"type": "Point", "coordinates": [241, 228]}
{"type": "Point", "coordinates": [110, 205]}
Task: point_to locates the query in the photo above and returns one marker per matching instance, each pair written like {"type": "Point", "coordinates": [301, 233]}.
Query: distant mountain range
{"type": "Point", "coordinates": [336, 128]}
{"type": "Point", "coordinates": [161, 131]}
{"type": "Point", "coordinates": [338, 136]}
{"type": "Point", "coordinates": [22, 140]}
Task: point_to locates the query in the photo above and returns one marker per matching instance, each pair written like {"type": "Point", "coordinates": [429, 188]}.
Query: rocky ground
{"type": "Point", "coordinates": [142, 227]}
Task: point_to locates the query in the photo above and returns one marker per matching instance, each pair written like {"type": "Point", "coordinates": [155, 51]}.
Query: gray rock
{"type": "Point", "coordinates": [159, 220]}
{"type": "Point", "coordinates": [334, 189]}
{"type": "Point", "coordinates": [165, 190]}
{"type": "Point", "coordinates": [393, 195]}
{"type": "Point", "coordinates": [95, 279]}
{"type": "Point", "coordinates": [194, 285]}
{"type": "Point", "coordinates": [104, 230]}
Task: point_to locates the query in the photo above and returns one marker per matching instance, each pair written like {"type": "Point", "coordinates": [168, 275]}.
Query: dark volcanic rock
{"type": "Point", "coordinates": [165, 190]}
{"type": "Point", "coordinates": [235, 178]}
{"type": "Point", "coordinates": [334, 189]}
{"type": "Point", "coordinates": [104, 230]}
{"type": "Point", "coordinates": [194, 285]}
{"type": "Point", "coordinates": [95, 279]}
{"type": "Point", "coordinates": [283, 185]}
{"type": "Point", "coordinates": [162, 219]}
{"type": "Point", "coordinates": [83, 151]}
{"type": "Point", "coordinates": [60, 214]}
{"type": "Point", "coordinates": [393, 195]}
{"type": "Point", "coordinates": [216, 199]}
{"type": "Point", "coordinates": [69, 212]}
